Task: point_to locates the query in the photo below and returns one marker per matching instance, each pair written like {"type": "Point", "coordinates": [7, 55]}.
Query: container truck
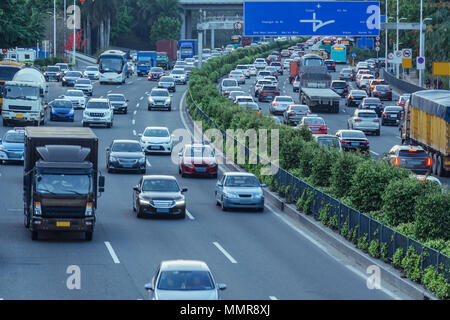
{"type": "Point", "coordinates": [60, 180]}
{"type": "Point", "coordinates": [24, 98]}
{"type": "Point", "coordinates": [425, 122]}
{"type": "Point", "coordinates": [188, 48]}
{"type": "Point", "coordinates": [315, 91]}
{"type": "Point", "coordinates": [145, 61]}
{"type": "Point", "coordinates": [166, 53]}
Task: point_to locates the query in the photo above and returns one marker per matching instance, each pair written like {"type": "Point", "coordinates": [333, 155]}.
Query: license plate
{"type": "Point", "coordinates": [162, 210]}
{"type": "Point", "coordinates": [269, 97]}
{"type": "Point", "coordinates": [154, 147]}
{"type": "Point", "coordinates": [19, 115]}
{"type": "Point", "coordinates": [372, 107]}
{"type": "Point", "coordinates": [200, 169]}
{"type": "Point", "coordinates": [414, 162]}
{"type": "Point", "coordinates": [355, 143]}
{"type": "Point", "coordinates": [63, 223]}
{"type": "Point", "coordinates": [97, 119]}
{"type": "Point", "coordinates": [393, 116]}
{"type": "Point", "coordinates": [110, 79]}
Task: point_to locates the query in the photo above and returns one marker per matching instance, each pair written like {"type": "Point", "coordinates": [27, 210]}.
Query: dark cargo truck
{"type": "Point", "coordinates": [60, 180]}
{"type": "Point", "coordinates": [166, 53]}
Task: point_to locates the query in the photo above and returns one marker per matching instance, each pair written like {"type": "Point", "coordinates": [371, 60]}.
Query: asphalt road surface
{"type": "Point", "coordinates": [258, 255]}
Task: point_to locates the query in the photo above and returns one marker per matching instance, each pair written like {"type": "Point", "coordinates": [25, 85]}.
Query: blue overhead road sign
{"type": "Point", "coordinates": [309, 18]}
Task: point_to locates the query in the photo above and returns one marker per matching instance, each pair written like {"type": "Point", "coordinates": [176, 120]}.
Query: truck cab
{"type": "Point", "coordinates": [145, 61]}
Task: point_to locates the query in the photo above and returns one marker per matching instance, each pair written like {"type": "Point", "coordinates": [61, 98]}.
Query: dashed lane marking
{"type": "Point", "coordinates": [225, 252]}
{"type": "Point", "coordinates": [111, 252]}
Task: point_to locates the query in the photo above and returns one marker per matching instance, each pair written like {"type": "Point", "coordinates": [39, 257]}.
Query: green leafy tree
{"type": "Point", "coordinates": [432, 218]}
{"type": "Point", "coordinates": [165, 28]}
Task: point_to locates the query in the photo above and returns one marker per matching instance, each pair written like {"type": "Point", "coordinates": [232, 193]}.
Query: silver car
{"type": "Point", "coordinates": [260, 63]}
{"type": "Point", "coordinates": [365, 120]}
{"type": "Point", "coordinates": [179, 75]}
{"type": "Point", "coordinates": [159, 98]}
{"type": "Point", "coordinates": [92, 73]}
{"type": "Point", "coordinates": [239, 190]}
{"type": "Point", "coordinates": [184, 280]}
{"type": "Point", "coordinates": [280, 104]}
{"type": "Point", "coordinates": [84, 85]}
{"type": "Point", "coordinates": [237, 75]}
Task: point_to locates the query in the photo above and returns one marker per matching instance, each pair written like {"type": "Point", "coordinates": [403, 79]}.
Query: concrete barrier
{"type": "Point", "coordinates": [402, 85]}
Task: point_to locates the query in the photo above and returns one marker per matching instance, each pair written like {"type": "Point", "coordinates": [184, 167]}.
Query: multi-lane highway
{"type": "Point", "coordinates": [258, 255]}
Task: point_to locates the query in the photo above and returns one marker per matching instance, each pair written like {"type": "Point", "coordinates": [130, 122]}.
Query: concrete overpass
{"type": "Point", "coordinates": [204, 5]}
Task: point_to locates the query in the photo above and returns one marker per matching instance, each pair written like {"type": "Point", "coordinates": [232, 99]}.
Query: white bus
{"type": "Point", "coordinates": [112, 65]}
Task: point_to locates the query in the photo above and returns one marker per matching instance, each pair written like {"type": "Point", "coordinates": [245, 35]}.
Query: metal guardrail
{"type": "Point", "coordinates": [347, 217]}
{"type": "Point", "coordinates": [405, 86]}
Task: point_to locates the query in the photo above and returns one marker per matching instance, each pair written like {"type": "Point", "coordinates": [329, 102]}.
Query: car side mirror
{"type": "Point", "coordinates": [128, 100]}
{"type": "Point", "coordinates": [148, 287]}
{"type": "Point", "coordinates": [220, 185]}
{"type": "Point", "coordinates": [263, 185]}
{"type": "Point", "coordinates": [184, 190]}
{"type": "Point", "coordinates": [221, 286]}
{"type": "Point", "coordinates": [136, 188]}
{"type": "Point", "coordinates": [101, 183]}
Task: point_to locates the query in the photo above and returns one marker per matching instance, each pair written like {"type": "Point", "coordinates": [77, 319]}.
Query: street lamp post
{"type": "Point", "coordinates": [74, 27]}
{"type": "Point", "coordinates": [54, 28]}
{"type": "Point", "coordinates": [386, 38]}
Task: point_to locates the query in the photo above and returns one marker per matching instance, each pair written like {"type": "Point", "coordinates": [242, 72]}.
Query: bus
{"type": "Point", "coordinates": [112, 65]}
{"type": "Point", "coordinates": [339, 53]}
{"type": "Point", "coordinates": [7, 71]}
{"type": "Point", "coordinates": [236, 41]}
{"type": "Point", "coordinates": [246, 41]}
{"type": "Point", "coordinates": [311, 60]}
{"type": "Point", "coordinates": [326, 44]}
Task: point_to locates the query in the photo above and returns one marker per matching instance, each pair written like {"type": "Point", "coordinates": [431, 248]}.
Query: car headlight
{"type": "Point", "coordinates": [231, 195]}
{"type": "Point", "coordinates": [37, 209]}
{"type": "Point", "coordinates": [168, 101]}
{"type": "Point", "coordinates": [71, 111]}
{"type": "Point", "coordinates": [112, 159]}
{"type": "Point", "coordinates": [142, 160]}
{"type": "Point", "coordinates": [180, 202]}
{"type": "Point", "coordinates": [150, 100]}
{"type": "Point", "coordinates": [143, 202]}
{"type": "Point", "coordinates": [3, 155]}
{"type": "Point", "coordinates": [88, 209]}
{"type": "Point", "coordinates": [259, 195]}
{"type": "Point", "coordinates": [64, 79]}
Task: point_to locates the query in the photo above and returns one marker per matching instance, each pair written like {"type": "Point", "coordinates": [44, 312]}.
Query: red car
{"type": "Point", "coordinates": [315, 124]}
{"type": "Point", "coordinates": [155, 73]}
{"type": "Point", "coordinates": [198, 159]}
{"type": "Point", "coordinates": [402, 99]}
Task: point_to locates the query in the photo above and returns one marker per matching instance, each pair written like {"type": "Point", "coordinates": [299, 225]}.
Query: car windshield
{"type": "Point", "coordinates": [245, 99]}
{"type": "Point", "coordinates": [241, 181]}
{"type": "Point", "coordinates": [204, 151]}
{"type": "Point", "coordinates": [116, 98]}
{"type": "Point", "coordinates": [303, 109]}
{"type": "Point", "coordinates": [264, 73]}
{"type": "Point", "coordinates": [73, 93]}
{"type": "Point", "coordinates": [62, 104]}
{"type": "Point", "coordinates": [313, 62]}
{"type": "Point", "coordinates": [166, 79]}
{"type": "Point", "coordinates": [228, 83]}
{"type": "Point", "coordinates": [413, 153]}
{"type": "Point", "coordinates": [269, 88]}
{"type": "Point", "coordinates": [126, 147]}
{"type": "Point", "coordinates": [160, 185]}
{"type": "Point", "coordinates": [63, 184]}
{"type": "Point", "coordinates": [311, 120]}
{"type": "Point", "coordinates": [353, 134]}
{"type": "Point", "coordinates": [284, 99]}
{"type": "Point", "coordinates": [110, 64]}
{"type": "Point", "coordinates": [8, 72]}
{"type": "Point", "coordinates": [338, 84]}
{"type": "Point", "coordinates": [261, 82]}
{"type": "Point", "coordinates": [97, 105]}
{"type": "Point", "coordinates": [185, 280]}
{"type": "Point", "coordinates": [73, 74]}
{"type": "Point", "coordinates": [92, 69]}
{"type": "Point", "coordinates": [178, 71]}
{"type": "Point", "coordinates": [156, 69]}
{"type": "Point", "coordinates": [359, 93]}
{"type": "Point", "coordinates": [14, 137]}
{"type": "Point", "coordinates": [52, 69]}
{"type": "Point", "coordinates": [251, 105]}
{"type": "Point", "coordinates": [367, 115]}
{"type": "Point", "coordinates": [382, 88]}
{"type": "Point", "coordinates": [159, 93]}
{"type": "Point", "coordinates": [393, 109]}
{"type": "Point", "coordinates": [371, 101]}
{"type": "Point", "coordinates": [236, 73]}
{"type": "Point", "coordinates": [83, 81]}
{"type": "Point", "coordinates": [63, 66]}
{"type": "Point", "coordinates": [159, 133]}
{"type": "Point", "coordinates": [346, 70]}
{"type": "Point", "coordinates": [21, 92]}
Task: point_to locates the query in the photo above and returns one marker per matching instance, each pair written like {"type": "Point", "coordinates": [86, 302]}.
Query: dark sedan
{"type": "Point", "coordinates": [340, 87]}
{"type": "Point", "coordinates": [413, 158]}
{"type": "Point", "coordinates": [125, 155]}
{"type": "Point", "coordinates": [391, 115]}
{"type": "Point", "coordinates": [373, 104]}
{"type": "Point", "coordinates": [71, 78]}
{"type": "Point", "coordinates": [168, 83]}
{"type": "Point", "coordinates": [294, 114]}
{"type": "Point", "coordinates": [159, 195]}
{"type": "Point", "coordinates": [355, 97]}
{"type": "Point", "coordinates": [383, 92]}
{"type": "Point", "coordinates": [353, 140]}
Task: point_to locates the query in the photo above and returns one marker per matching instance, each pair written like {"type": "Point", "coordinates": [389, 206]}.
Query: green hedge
{"type": "Point", "coordinates": [387, 193]}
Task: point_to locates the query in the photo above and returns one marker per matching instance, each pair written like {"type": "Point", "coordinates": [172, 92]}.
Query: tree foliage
{"type": "Point", "coordinates": [165, 28]}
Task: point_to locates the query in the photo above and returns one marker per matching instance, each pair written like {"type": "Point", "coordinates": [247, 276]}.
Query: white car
{"type": "Point", "coordinates": [184, 280]}
{"type": "Point", "coordinates": [243, 99]}
{"type": "Point", "coordinates": [238, 76]}
{"type": "Point", "coordinates": [262, 74]}
{"type": "Point", "coordinates": [179, 75]}
{"type": "Point", "coordinates": [245, 70]}
{"type": "Point", "coordinates": [363, 81]}
{"type": "Point", "coordinates": [280, 104]}
{"type": "Point", "coordinates": [189, 61]}
{"type": "Point", "coordinates": [260, 63]}
{"type": "Point", "coordinates": [76, 97]}
{"type": "Point", "coordinates": [252, 69]}
{"type": "Point", "coordinates": [272, 79]}
{"type": "Point", "coordinates": [156, 139]}
{"type": "Point", "coordinates": [92, 73]}
{"type": "Point", "coordinates": [84, 85]}
{"type": "Point", "coordinates": [98, 111]}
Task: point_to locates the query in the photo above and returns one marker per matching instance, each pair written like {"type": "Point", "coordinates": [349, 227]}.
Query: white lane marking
{"type": "Point", "coordinates": [133, 122]}
{"type": "Point", "coordinates": [134, 132]}
{"type": "Point", "coordinates": [225, 253]}
{"type": "Point", "coordinates": [190, 216]}
{"type": "Point", "coordinates": [109, 91]}
{"type": "Point", "coordinates": [134, 112]}
{"type": "Point", "coordinates": [399, 137]}
{"type": "Point", "coordinates": [146, 92]}
{"type": "Point", "coordinates": [364, 276]}
{"type": "Point", "coordinates": [373, 152]}
{"type": "Point", "coordinates": [181, 113]}
{"type": "Point", "coordinates": [118, 87]}
{"type": "Point", "coordinates": [273, 298]}
{"type": "Point", "coordinates": [111, 252]}
{"type": "Point", "coordinates": [141, 98]}
{"type": "Point", "coordinates": [137, 106]}
{"type": "Point", "coordinates": [148, 163]}
{"type": "Point", "coordinates": [131, 82]}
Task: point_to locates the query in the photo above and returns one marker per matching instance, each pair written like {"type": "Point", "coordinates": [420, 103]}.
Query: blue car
{"type": "Point", "coordinates": [12, 145]}
{"type": "Point", "coordinates": [62, 109]}
{"type": "Point", "coordinates": [239, 190]}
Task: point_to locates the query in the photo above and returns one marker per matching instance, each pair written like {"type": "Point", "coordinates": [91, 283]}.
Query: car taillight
{"type": "Point", "coordinates": [345, 142]}
{"type": "Point", "coordinates": [276, 104]}
{"type": "Point", "coordinates": [428, 162]}
{"type": "Point", "coordinates": [357, 120]}
{"type": "Point", "coordinates": [376, 120]}
{"type": "Point", "coordinates": [230, 76]}
{"type": "Point", "coordinates": [365, 142]}
{"type": "Point", "coordinates": [292, 113]}
{"type": "Point", "coordinates": [241, 76]}
{"type": "Point", "coordinates": [384, 114]}
{"type": "Point", "coordinates": [396, 161]}
{"type": "Point", "coordinates": [350, 97]}
{"type": "Point", "coordinates": [333, 65]}
{"type": "Point", "coordinates": [259, 112]}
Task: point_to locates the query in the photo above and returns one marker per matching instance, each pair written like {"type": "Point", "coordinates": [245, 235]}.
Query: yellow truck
{"type": "Point", "coordinates": [7, 71]}
{"type": "Point", "coordinates": [425, 122]}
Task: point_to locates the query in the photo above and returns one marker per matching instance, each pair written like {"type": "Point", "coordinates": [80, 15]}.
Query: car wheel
{"type": "Point", "coordinates": [149, 108]}
{"type": "Point", "coordinates": [222, 205]}
{"type": "Point", "coordinates": [88, 235]}
{"type": "Point", "coordinates": [261, 209]}
{"type": "Point", "coordinates": [182, 215]}
{"type": "Point", "coordinates": [85, 124]}
{"type": "Point", "coordinates": [34, 235]}
{"type": "Point", "coordinates": [5, 123]}
{"type": "Point", "coordinates": [139, 213]}
{"type": "Point", "coordinates": [378, 133]}
{"type": "Point", "coordinates": [125, 111]}
{"type": "Point", "coordinates": [214, 176]}
{"type": "Point", "coordinates": [169, 109]}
